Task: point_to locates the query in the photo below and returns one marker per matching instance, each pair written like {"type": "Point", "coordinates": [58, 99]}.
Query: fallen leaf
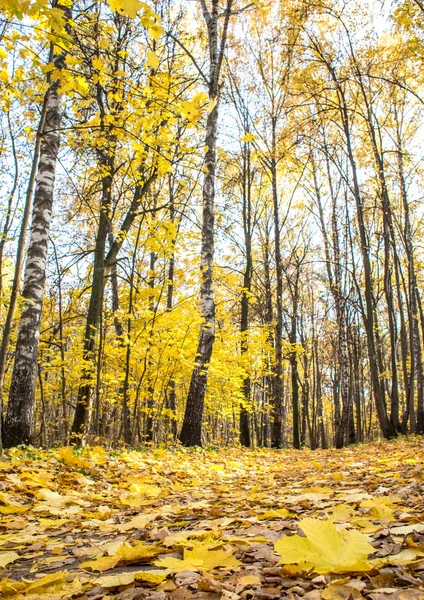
{"type": "Point", "coordinates": [324, 549]}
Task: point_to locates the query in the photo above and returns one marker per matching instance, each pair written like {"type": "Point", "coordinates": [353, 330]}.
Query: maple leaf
{"type": "Point", "coordinates": [381, 508]}
{"type": "Point", "coordinates": [149, 576]}
{"type": "Point", "coordinates": [9, 508]}
{"type": "Point", "coordinates": [248, 137]}
{"type": "Point", "coordinates": [139, 553]}
{"type": "Point", "coordinates": [200, 558]}
{"type": "Point", "coordinates": [112, 581]}
{"type": "Point", "coordinates": [102, 563]}
{"type": "Point", "coordinates": [8, 557]}
{"type": "Point", "coordinates": [153, 577]}
{"type": "Point", "coordinates": [128, 8]}
{"type": "Point", "coordinates": [152, 59]}
{"type": "Point", "coordinates": [324, 549]}
{"type": "Point", "coordinates": [54, 580]}
{"type": "Point", "coordinates": [138, 522]}
{"type": "Point", "coordinates": [277, 513]}
{"type": "Point", "coordinates": [51, 498]}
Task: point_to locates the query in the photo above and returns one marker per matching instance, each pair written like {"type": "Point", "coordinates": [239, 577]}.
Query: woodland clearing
{"type": "Point", "coordinates": [219, 524]}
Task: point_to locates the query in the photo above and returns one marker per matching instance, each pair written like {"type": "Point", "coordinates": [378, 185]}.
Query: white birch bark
{"type": "Point", "coordinates": [192, 425]}
{"type": "Point", "coordinates": [19, 416]}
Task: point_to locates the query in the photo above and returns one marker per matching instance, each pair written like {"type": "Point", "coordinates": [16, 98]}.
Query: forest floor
{"type": "Point", "coordinates": [225, 524]}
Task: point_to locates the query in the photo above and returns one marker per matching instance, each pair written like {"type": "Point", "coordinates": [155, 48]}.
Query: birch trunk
{"type": "Point", "coordinates": [18, 422]}
{"type": "Point", "coordinates": [191, 432]}
{"type": "Point", "coordinates": [19, 260]}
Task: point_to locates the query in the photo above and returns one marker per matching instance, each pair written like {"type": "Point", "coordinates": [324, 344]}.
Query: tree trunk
{"type": "Point", "coordinates": [191, 432]}
{"type": "Point", "coordinates": [277, 408]}
{"type": "Point", "coordinates": [334, 272]}
{"type": "Point", "coordinates": [18, 422]}
{"type": "Point", "coordinates": [369, 314]}
{"type": "Point", "coordinates": [416, 367]}
{"type": "Point", "coordinates": [245, 439]}
{"type": "Point", "coordinates": [20, 253]}
{"type": "Point", "coordinates": [169, 304]}
{"type": "Point", "coordinates": [150, 388]}
{"type": "Point", "coordinates": [294, 365]}
{"type": "Point", "coordinates": [95, 306]}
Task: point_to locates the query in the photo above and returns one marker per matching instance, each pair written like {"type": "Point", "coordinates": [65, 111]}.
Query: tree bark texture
{"type": "Point", "coordinates": [18, 422]}
{"type": "Point", "coordinates": [191, 432]}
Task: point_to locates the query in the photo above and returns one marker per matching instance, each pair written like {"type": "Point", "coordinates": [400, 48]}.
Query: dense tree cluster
{"type": "Point", "coordinates": [211, 221]}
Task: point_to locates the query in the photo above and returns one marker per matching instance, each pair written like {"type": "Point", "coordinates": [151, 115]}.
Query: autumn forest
{"type": "Point", "coordinates": [211, 300]}
{"type": "Point", "coordinates": [211, 224]}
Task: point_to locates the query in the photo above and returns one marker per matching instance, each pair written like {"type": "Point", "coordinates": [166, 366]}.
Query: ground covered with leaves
{"type": "Point", "coordinates": [213, 525]}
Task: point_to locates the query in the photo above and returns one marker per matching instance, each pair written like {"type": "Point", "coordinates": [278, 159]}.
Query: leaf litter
{"type": "Point", "coordinates": [226, 524]}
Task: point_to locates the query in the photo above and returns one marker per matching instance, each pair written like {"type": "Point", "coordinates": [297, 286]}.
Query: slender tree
{"type": "Point", "coordinates": [191, 432]}
{"type": "Point", "coordinates": [18, 422]}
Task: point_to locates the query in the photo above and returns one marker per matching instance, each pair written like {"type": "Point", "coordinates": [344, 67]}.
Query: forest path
{"type": "Point", "coordinates": [183, 524]}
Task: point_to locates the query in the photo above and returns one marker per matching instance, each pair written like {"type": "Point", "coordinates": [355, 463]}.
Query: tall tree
{"type": "Point", "coordinates": [18, 422]}
{"type": "Point", "coordinates": [191, 432]}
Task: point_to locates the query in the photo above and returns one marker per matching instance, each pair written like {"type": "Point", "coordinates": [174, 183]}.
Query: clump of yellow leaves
{"type": "Point", "coordinates": [67, 456]}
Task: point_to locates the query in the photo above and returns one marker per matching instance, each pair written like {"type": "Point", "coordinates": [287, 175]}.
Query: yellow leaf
{"type": "Point", "coordinates": [403, 557]}
{"type": "Point", "coordinates": [156, 30]}
{"type": "Point", "coordinates": [9, 586]}
{"type": "Point", "coordinates": [381, 508]}
{"type": "Point", "coordinates": [152, 59]}
{"type": "Point", "coordinates": [129, 8]}
{"type": "Point", "coordinates": [56, 580]}
{"type": "Point", "coordinates": [18, 523]}
{"type": "Point", "coordinates": [66, 454]}
{"type": "Point", "coordinates": [98, 65]}
{"type": "Point", "coordinates": [324, 549]}
{"type": "Point", "coordinates": [145, 489]}
{"type": "Point", "coordinates": [102, 563]}
{"type": "Point", "coordinates": [341, 513]}
{"type": "Point", "coordinates": [138, 522]}
{"type": "Point", "coordinates": [249, 580]}
{"type": "Point", "coordinates": [112, 581]}
{"type": "Point", "coordinates": [154, 577]}
{"type": "Point", "coordinates": [249, 137]}
{"type": "Point", "coordinates": [176, 565]}
{"type": "Point", "coordinates": [12, 509]}
{"type": "Point", "coordinates": [278, 513]}
{"type": "Point", "coordinates": [139, 553]}
{"type": "Point", "coordinates": [212, 558]}
{"type": "Point", "coordinates": [7, 558]}
{"type": "Point", "coordinates": [52, 523]}
{"type": "Point", "coordinates": [200, 558]}
{"type": "Point", "coordinates": [126, 578]}
{"type": "Point", "coordinates": [51, 498]}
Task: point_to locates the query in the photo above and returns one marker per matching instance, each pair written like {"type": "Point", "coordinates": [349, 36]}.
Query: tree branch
{"type": "Point", "coordinates": [140, 192]}
{"type": "Point", "coordinates": [189, 54]}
